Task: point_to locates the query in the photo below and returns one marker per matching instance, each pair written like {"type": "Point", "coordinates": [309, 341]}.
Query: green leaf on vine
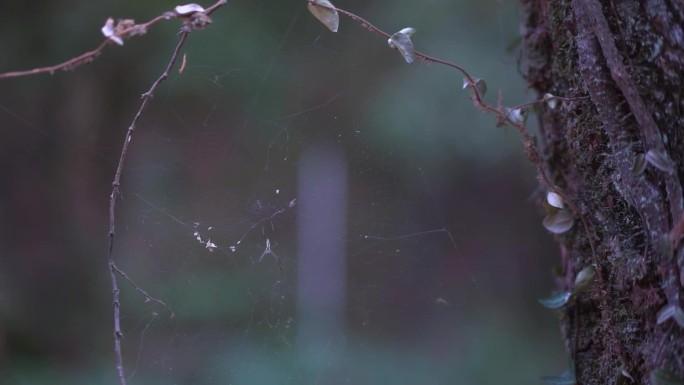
{"type": "Point", "coordinates": [109, 32]}
{"type": "Point", "coordinates": [558, 222]}
{"type": "Point", "coordinates": [556, 301]}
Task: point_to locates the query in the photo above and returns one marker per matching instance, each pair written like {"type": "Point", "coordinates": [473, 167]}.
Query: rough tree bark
{"type": "Point", "coordinates": [627, 58]}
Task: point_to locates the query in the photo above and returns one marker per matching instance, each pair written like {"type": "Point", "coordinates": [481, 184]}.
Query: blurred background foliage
{"type": "Point", "coordinates": [218, 148]}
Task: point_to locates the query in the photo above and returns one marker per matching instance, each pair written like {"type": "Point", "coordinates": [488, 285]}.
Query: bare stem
{"type": "Point", "coordinates": [116, 192]}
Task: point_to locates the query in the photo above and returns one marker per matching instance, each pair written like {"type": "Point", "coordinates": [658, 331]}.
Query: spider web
{"type": "Point", "coordinates": [316, 211]}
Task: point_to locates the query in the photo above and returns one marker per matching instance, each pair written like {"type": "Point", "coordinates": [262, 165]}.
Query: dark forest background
{"type": "Point", "coordinates": [262, 84]}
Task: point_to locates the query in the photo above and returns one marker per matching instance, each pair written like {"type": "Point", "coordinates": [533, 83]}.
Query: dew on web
{"type": "Point", "coordinates": [300, 262]}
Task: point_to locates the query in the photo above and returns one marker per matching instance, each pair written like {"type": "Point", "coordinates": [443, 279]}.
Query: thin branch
{"type": "Point", "coordinates": [142, 291]}
{"type": "Point", "coordinates": [189, 25]}
{"type": "Point", "coordinates": [364, 23]}
{"type": "Point", "coordinates": [214, 7]}
{"type": "Point", "coordinates": [87, 57]}
{"type": "Point", "coordinates": [477, 98]}
{"type": "Point", "coordinates": [116, 192]}
{"type": "Point", "coordinates": [65, 66]}
{"type": "Point", "coordinates": [118, 335]}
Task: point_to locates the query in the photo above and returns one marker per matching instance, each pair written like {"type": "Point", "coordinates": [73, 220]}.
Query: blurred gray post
{"type": "Point", "coordinates": [322, 254]}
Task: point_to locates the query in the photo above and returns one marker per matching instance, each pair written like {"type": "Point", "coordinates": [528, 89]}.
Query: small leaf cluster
{"type": "Point", "coordinates": [558, 220]}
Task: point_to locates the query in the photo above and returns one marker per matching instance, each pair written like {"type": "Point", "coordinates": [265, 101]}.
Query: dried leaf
{"type": "Point", "coordinates": [402, 42]}
{"type": "Point", "coordinates": [664, 377]}
{"type": "Point", "coordinates": [556, 301]}
{"type": "Point", "coordinates": [188, 9]}
{"type": "Point", "coordinates": [558, 222]}
{"type": "Point", "coordinates": [126, 28]}
{"type": "Point", "coordinates": [660, 161]}
{"type": "Point", "coordinates": [325, 12]}
{"type": "Point", "coordinates": [108, 28]}
{"type": "Point", "coordinates": [199, 20]}
{"type": "Point", "coordinates": [108, 32]}
{"type": "Point", "coordinates": [585, 279]}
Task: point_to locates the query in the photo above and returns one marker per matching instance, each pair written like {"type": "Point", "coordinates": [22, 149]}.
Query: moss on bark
{"type": "Point", "coordinates": [626, 58]}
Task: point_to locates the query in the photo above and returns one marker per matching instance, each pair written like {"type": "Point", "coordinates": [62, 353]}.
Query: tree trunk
{"type": "Point", "coordinates": [624, 61]}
